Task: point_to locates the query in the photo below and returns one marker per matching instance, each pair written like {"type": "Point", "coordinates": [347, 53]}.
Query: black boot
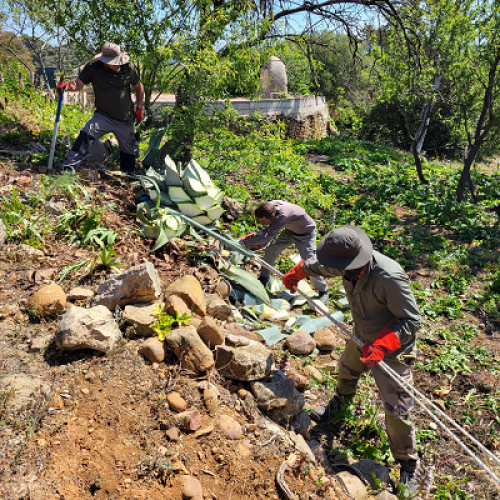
{"type": "Point", "coordinates": [127, 163]}
{"type": "Point", "coordinates": [334, 411]}
{"type": "Point", "coordinates": [79, 151]}
{"type": "Point", "coordinates": [408, 478]}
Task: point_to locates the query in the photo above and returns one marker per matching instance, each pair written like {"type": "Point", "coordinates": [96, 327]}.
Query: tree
{"type": "Point", "coordinates": [200, 35]}
{"type": "Point", "coordinates": [13, 49]}
{"type": "Point", "coordinates": [34, 27]}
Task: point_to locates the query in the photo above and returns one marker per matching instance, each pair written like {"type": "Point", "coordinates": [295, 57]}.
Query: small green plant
{"type": "Point", "coordinates": [18, 220]}
{"type": "Point", "coordinates": [108, 259]}
{"type": "Point", "coordinates": [166, 322]}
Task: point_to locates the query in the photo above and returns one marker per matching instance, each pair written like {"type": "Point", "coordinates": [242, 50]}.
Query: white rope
{"type": "Point", "coordinates": [397, 378]}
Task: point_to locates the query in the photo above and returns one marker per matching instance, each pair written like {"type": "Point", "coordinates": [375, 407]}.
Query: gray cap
{"type": "Point", "coordinates": [347, 247]}
{"type": "Point", "coordinates": [112, 54]}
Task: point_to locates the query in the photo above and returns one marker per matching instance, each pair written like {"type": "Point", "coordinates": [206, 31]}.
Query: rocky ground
{"type": "Point", "coordinates": [112, 413]}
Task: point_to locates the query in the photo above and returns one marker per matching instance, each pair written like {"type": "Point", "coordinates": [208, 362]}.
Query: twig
{"type": "Point", "coordinates": [280, 480]}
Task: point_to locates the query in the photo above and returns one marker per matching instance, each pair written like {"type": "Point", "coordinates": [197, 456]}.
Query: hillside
{"type": "Point", "coordinates": [94, 425]}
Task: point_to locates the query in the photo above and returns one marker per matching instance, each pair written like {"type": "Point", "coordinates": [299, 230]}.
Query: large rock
{"type": "Point", "coordinates": [326, 340]}
{"type": "Point", "coordinates": [188, 288]}
{"type": "Point", "coordinates": [138, 285]}
{"type": "Point", "coordinates": [278, 397]}
{"type": "Point", "coordinates": [300, 343]}
{"type": "Point", "coordinates": [80, 293]}
{"type": "Point", "coordinates": [93, 328]}
{"type": "Point", "coordinates": [140, 317]}
{"type": "Point", "coordinates": [218, 307]}
{"type": "Point", "coordinates": [369, 468]}
{"type": "Point", "coordinates": [233, 208]}
{"type": "Point", "coordinates": [352, 484]}
{"type": "Point", "coordinates": [229, 427]}
{"type": "Point", "coordinates": [210, 332]}
{"type": "Point", "coordinates": [247, 362]}
{"type": "Point", "coordinates": [50, 299]}
{"type": "Point", "coordinates": [190, 349]}
{"type": "Point", "coordinates": [174, 305]}
{"type": "Point", "coordinates": [191, 488]}
{"type": "Point", "coordinates": [153, 349]}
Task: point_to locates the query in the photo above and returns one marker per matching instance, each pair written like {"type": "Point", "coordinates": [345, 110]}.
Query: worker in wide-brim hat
{"type": "Point", "coordinates": [112, 76]}
{"type": "Point", "coordinates": [386, 320]}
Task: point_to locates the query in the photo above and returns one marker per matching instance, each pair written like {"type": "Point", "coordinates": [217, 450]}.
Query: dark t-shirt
{"type": "Point", "coordinates": [112, 89]}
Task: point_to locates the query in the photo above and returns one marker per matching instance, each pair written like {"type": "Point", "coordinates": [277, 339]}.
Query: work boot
{"type": "Point", "coordinates": [408, 480]}
{"type": "Point", "coordinates": [324, 297]}
{"type": "Point", "coordinates": [333, 411]}
{"type": "Point", "coordinates": [73, 160]}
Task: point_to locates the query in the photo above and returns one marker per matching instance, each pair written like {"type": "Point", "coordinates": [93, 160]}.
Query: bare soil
{"type": "Point", "coordinates": [105, 439]}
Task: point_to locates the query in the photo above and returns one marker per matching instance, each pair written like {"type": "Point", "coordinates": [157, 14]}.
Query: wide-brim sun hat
{"type": "Point", "coordinates": [346, 247]}
{"type": "Point", "coordinates": [111, 53]}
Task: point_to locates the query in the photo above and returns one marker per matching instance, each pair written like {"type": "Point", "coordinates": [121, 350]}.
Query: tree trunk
{"type": "Point", "coordinates": [418, 164]}
{"type": "Point", "coordinates": [465, 177]}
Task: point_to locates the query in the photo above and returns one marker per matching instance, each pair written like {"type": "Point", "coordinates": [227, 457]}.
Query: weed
{"type": "Point", "coordinates": [166, 322]}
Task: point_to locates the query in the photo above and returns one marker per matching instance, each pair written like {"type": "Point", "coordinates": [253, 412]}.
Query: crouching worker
{"type": "Point", "coordinates": [111, 75]}
{"type": "Point", "coordinates": [296, 228]}
{"type": "Point", "coordinates": [386, 320]}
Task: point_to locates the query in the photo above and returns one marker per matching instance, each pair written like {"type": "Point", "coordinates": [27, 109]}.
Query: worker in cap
{"type": "Point", "coordinates": [112, 75]}
{"type": "Point", "coordinates": [386, 320]}
{"type": "Point", "coordinates": [285, 224]}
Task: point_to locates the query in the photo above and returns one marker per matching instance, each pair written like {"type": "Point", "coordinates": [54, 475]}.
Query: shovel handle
{"type": "Point", "coordinates": [56, 128]}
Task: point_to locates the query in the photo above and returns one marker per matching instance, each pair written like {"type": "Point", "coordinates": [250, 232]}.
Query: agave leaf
{"type": "Point", "coordinates": [245, 279]}
{"type": "Point", "coordinates": [161, 240]}
{"type": "Point", "coordinates": [153, 153]}
{"type": "Point", "coordinates": [155, 185]}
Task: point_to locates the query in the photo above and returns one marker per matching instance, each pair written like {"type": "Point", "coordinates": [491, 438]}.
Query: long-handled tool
{"type": "Point", "coordinates": [56, 128]}
{"type": "Point", "coordinates": [420, 398]}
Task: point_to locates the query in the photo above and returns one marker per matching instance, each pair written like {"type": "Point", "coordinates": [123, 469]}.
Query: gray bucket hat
{"type": "Point", "coordinates": [347, 247]}
{"type": "Point", "coordinates": [112, 54]}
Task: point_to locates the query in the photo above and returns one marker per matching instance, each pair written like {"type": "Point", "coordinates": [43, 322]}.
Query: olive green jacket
{"type": "Point", "coordinates": [382, 298]}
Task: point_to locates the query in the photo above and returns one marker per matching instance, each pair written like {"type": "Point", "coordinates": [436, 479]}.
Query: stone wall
{"type": "Point", "coordinates": [305, 117]}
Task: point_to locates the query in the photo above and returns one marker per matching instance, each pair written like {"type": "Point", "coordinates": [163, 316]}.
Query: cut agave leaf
{"type": "Point", "coordinates": [205, 202]}
{"type": "Point", "coordinates": [194, 171]}
{"type": "Point", "coordinates": [172, 177]}
{"type": "Point", "coordinates": [189, 209]}
{"type": "Point", "coordinates": [194, 187]}
{"type": "Point", "coordinates": [215, 212]}
{"type": "Point", "coordinates": [247, 280]}
{"type": "Point", "coordinates": [215, 193]}
{"type": "Point", "coordinates": [178, 195]}
{"type": "Point", "coordinates": [169, 163]}
{"type": "Point", "coordinates": [203, 219]}
{"type": "Point", "coordinates": [164, 198]}
{"type": "Point", "coordinates": [151, 231]}
{"type": "Point", "coordinates": [173, 226]}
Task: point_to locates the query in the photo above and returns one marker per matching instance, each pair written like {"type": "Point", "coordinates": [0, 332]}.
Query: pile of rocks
{"type": "Point", "coordinates": [124, 308]}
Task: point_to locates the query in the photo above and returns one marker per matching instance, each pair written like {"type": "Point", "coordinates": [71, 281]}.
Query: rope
{"type": "Point", "coordinates": [397, 378]}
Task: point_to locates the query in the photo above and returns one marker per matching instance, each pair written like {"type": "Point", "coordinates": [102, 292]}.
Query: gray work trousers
{"type": "Point", "coordinates": [100, 125]}
{"type": "Point", "coordinates": [397, 402]}
{"type": "Point", "coordinates": [306, 246]}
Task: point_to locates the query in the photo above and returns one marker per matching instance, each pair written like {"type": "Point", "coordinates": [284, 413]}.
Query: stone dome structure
{"type": "Point", "coordinates": [273, 78]}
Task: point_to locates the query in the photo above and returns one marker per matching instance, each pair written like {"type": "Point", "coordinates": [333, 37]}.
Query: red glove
{"type": "Point", "coordinates": [292, 277]}
{"type": "Point", "coordinates": [246, 237]}
{"type": "Point", "coordinates": [62, 87]}
{"type": "Point", "coordinates": [385, 343]}
{"type": "Point", "coordinates": [138, 116]}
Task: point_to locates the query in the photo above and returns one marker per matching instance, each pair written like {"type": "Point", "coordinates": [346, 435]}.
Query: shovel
{"type": "Point", "coordinates": [56, 128]}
